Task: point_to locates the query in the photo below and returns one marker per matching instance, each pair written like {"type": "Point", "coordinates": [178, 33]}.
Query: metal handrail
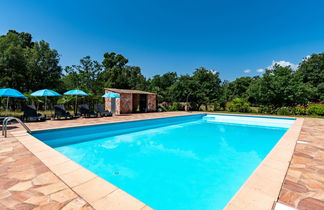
{"type": "Point", "coordinates": [5, 124]}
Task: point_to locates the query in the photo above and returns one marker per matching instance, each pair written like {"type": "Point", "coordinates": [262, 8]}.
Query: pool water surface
{"type": "Point", "coordinates": [194, 162]}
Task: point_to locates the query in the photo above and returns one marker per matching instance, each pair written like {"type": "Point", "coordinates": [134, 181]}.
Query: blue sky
{"type": "Point", "coordinates": [233, 37]}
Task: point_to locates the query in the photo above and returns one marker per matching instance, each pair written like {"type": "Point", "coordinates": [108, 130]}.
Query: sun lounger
{"type": "Point", "coordinates": [102, 112]}
{"type": "Point", "coordinates": [1, 120]}
{"type": "Point", "coordinates": [60, 112]}
{"type": "Point", "coordinates": [86, 112]}
{"type": "Point", "coordinates": [30, 114]}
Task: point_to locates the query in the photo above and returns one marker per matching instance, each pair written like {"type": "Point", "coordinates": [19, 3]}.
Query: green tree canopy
{"type": "Point", "coordinates": [84, 76]}
{"type": "Point", "coordinates": [161, 84]}
{"type": "Point", "coordinates": [311, 70]}
{"type": "Point", "coordinates": [117, 74]}
{"type": "Point", "coordinates": [280, 86]}
{"type": "Point", "coordinates": [207, 86]}
{"type": "Point", "coordinates": [114, 75]}
{"type": "Point", "coordinates": [136, 80]}
{"type": "Point", "coordinates": [43, 69]}
{"type": "Point", "coordinates": [183, 90]}
{"type": "Point", "coordinates": [27, 65]}
{"type": "Point", "coordinates": [238, 88]}
{"type": "Point", "coordinates": [12, 62]}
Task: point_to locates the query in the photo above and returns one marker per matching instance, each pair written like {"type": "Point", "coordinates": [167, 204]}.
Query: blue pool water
{"type": "Point", "coordinates": [190, 162]}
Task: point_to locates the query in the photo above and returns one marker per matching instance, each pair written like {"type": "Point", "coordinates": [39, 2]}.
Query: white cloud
{"type": "Point", "coordinates": [213, 71]}
{"type": "Point", "coordinates": [283, 64]}
{"type": "Point", "coordinates": [247, 71]}
{"type": "Point", "coordinates": [306, 58]}
{"type": "Point", "coordinates": [260, 70]}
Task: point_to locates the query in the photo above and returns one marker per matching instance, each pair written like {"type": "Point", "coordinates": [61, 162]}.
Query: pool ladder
{"type": "Point", "coordinates": [7, 120]}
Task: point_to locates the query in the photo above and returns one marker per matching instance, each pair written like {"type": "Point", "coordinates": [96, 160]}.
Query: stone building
{"type": "Point", "coordinates": [130, 101]}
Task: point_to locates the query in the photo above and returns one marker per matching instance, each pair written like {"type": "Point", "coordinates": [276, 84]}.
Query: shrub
{"type": "Point", "coordinates": [316, 109]}
{"type": "Point", "coordinates": [175, 107]}
{"type": "Point", "coordinates": [162, 108]}
{"type": "Point", "coordinates": [217, 106]}
{"type": "Point", "coordinates": [238, 105]}
{"type": "Point", "coordinates": [299, 110]}
{"type": "Point", "coordinates": [267, 109]}
{"type": "Point", "coordinates": [255, 109]}
{"type": "Point", "coordinates": [284, 111]}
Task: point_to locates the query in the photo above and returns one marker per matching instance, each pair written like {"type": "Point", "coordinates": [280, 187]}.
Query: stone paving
{"type": "Point", "coordinates": [26, 183]}
{"type": "Point", "coordinates": [303, 187]}
{"type": "Point", "coordinates": [50, 124]}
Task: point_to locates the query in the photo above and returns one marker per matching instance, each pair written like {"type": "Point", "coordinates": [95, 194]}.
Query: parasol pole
{"type": "Point", "coordinates": [45, 103]}
{"type": "Point", "coordinates": [76, 103]}
{"type": "Point", "coordinates": [7, 104]}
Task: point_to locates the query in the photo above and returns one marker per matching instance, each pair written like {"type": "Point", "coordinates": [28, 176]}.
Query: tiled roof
{"type": "Point", "coordinates": [127, 91]}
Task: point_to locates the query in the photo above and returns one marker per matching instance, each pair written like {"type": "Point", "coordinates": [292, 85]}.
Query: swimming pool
{"type": "Point", "coordinates": [188, 162]}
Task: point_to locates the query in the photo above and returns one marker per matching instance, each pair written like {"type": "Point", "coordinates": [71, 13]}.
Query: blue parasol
{"type": "Point", "coordinates": [45, 92]}
{"type": "Point", "coordinates": [76, 93]}
{"type": "Point", "coordinates": [111, 95]}
{"type": "Point", "coordinates": [9, 92]}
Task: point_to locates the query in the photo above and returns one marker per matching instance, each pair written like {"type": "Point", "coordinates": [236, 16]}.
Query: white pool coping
{"type": "Point", "coordinates": [247, 120]}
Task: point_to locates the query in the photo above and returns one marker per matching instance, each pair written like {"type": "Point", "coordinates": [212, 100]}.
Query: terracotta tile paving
{"type": "Point", "coordinates": [50, 124]}
{"type": "Point", "coordinates": [303, 187]}
{"type": "Point", "coordinates": [26, 183]}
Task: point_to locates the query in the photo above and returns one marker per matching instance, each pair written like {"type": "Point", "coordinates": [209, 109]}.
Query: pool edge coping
{"type": "Point", "coordinates": [116, 197]}
{"type": "Point", "coordinates": [261, 190]}
{"type": "Point", "coordinates": [79, 179]}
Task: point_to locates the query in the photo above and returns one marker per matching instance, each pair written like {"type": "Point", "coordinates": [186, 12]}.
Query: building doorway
{"type": "Point", "coordinates": [143, 103]}
{"type": "Point", "coordinates": [113, 105]}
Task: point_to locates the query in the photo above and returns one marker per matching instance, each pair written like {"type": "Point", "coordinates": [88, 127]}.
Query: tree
{"type": "Point", "coordinates": [280, 86]}
{"type": "Point", "coordinates": [12, 62]}
{"type": "Point", "coordinates": [320, 92]}
{"type": "Point", "coordinates": [202, 88]}
{"type": "Point", "coordinates": [117, 74]}
{"type": "Point", "coordinates": [208, 86]}
{"type": "Point", "coordinates": [220, 104]}
{"type": "Point", "coordinates": [43, 69]}
{"type": "Point", "coordinates": [114, 74]}
{"type": "Point", "coordinates": [27, 65]}
{"type": "Point", "coordinates": [238, 88]}
{"type": "Point", "coordinates": [161, 84]}
{"type": "Point", "coordinates": [164, 81]}
{"type": "Point", "coordinates": [84, 76]}
{"type": "Point", "coordinates": [136, 80]}
{"type": "Point", "coordinates": [311, 70]}
{"type": "Point", "coordinates": [183, 89]}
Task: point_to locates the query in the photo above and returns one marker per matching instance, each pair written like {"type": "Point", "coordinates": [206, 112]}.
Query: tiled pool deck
{"type": "Point", "coordinates": [303, 187]}
{"type": "Point", "coordinates": [33, 175]}
{"type": "Point", "coordinates": [26, 183]}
